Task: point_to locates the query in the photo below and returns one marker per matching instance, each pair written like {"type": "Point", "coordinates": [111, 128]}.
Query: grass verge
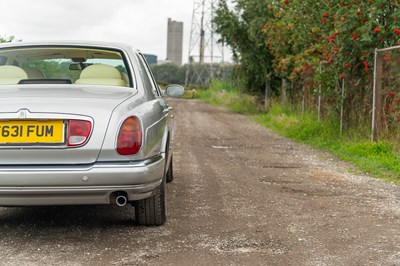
{"type": "Point", "coordinates": [224, 94]}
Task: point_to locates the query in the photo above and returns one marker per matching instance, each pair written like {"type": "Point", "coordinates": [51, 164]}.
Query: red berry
{"type": "Point", "coordinates": [377, 30]}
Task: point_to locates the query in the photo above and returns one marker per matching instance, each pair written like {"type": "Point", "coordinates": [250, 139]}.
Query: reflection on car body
{"type": "Point", "coordinates": [84, 123]}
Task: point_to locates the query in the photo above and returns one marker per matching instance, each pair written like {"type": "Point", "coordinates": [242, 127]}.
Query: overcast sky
{"type": "Point", "coordinates": [141, 23]}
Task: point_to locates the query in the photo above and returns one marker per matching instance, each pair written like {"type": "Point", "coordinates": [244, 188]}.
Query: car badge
{"type": "Point", "coordinates": [22, 114]}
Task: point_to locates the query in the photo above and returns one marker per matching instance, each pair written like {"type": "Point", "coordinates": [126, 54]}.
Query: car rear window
{"type": "Point", "coordinates": [59, 65]}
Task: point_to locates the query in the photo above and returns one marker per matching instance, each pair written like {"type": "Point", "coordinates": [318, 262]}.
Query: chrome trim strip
{"type": "Point", "coordinates": [83, 167]}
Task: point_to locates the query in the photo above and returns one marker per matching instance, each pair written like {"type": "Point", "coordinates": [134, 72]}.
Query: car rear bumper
{"type": "Point", "coordinates": [79, 185]}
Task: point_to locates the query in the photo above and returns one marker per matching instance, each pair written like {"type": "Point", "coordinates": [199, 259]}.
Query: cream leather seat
{"type": "Point", "coordinates": [101, 75]}
{"type": "Point", "coordinates": [11, 75]}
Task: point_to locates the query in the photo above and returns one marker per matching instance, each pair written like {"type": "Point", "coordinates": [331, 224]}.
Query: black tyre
{"type": "Point", "coordinates": [170, 175]}
{"type": "Point", "coordinates": [152, 211]}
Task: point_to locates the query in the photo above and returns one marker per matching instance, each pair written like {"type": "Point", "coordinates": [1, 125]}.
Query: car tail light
{"type": "Point", "coordinates": [129, 139]}
{"type": "Point", "coordinates": [78, 132]}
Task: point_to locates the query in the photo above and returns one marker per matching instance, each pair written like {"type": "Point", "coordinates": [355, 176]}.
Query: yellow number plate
{"type": "Point", "coordinates": [30, 131]}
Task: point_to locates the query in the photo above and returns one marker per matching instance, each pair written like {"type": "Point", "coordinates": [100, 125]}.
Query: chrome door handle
{"type": "Point", "coordinates": [167, 110]}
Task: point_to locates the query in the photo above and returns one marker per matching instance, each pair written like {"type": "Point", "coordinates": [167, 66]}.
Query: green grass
{"type": "Point", "coordinates": [224, 94]}
{"type": "Point", "coordinates": [379, 159]}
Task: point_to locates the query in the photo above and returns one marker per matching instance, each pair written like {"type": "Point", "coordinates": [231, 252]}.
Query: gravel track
{"type": "Point", "coordinates": [241, 196]}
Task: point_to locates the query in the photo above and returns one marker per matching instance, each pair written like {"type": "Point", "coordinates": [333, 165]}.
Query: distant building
{"type": "Point", "coordinates": [150, 58]}
{"type": "Point", "coordinates": [175, 41]}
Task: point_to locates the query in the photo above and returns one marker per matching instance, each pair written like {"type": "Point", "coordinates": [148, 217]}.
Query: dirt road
{"type": "Point", "coordinates": [241, 196]}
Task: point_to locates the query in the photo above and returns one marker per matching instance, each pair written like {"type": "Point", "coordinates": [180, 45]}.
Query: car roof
{"type": "Point", "coordinates": [99, 44]}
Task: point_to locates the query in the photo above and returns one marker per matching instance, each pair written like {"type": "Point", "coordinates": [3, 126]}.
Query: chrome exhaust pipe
{"type": "Point", "coordinates": [121, 200]}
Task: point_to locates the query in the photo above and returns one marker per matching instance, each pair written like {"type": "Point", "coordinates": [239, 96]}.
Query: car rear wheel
{"type": "Point", "coordinates": [170, 175]}
{"type": "Point", "coordinates": [152, 211]}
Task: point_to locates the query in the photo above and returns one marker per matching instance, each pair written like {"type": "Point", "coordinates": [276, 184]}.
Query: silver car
{"type": "Point", "coordinates": [84, 123]}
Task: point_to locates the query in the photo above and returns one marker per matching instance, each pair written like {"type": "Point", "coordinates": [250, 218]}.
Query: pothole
{"type": "Point", "coordinates": [277, 181]}
{"type": "Point", "coordinates": [280, 166]}
{"type": "Point", "coordinates": [312, 193]}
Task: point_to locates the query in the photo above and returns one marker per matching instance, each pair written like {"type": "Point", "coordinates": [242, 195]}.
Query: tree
{"type": "Point", "coordinates": [240, 28]}
{"type": "Point", "coordinates": [344, 33]}
{"type": "Point", "coordinates": [169, 73]}
{"type": "Point", "coordinates": [8, 39]}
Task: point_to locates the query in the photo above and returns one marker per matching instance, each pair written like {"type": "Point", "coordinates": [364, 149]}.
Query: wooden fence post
{"type": "Point", "coordinates": [267, 89]}
{"type": "Point", "coordinates": [283, 91]}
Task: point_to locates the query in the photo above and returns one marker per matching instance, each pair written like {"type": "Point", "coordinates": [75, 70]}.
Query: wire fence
{"type": "Point", "coordinates": [370, 98]}
{"type": "Point", "coordinates": [346, 96]}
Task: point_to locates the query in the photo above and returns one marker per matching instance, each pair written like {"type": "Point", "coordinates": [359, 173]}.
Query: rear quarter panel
{"type": "Point", "coordinates": [154, 125]}
{"type": "Point", "coordinates": [150, 109]}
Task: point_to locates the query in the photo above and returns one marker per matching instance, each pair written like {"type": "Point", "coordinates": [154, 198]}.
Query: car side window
{"type": "Point", "coordinates": [3, 60]}
{"type": "Point", "coordinates": [148, 78]}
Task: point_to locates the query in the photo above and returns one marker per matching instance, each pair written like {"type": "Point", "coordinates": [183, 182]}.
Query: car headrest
{"type": "Point", "coordinates": [11, 74]}
{"type": "Point", "coordinates": [101, 75]}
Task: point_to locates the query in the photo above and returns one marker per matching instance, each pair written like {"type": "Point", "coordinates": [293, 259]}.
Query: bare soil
{"type": "Point", "coordinates": [241, 196]}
